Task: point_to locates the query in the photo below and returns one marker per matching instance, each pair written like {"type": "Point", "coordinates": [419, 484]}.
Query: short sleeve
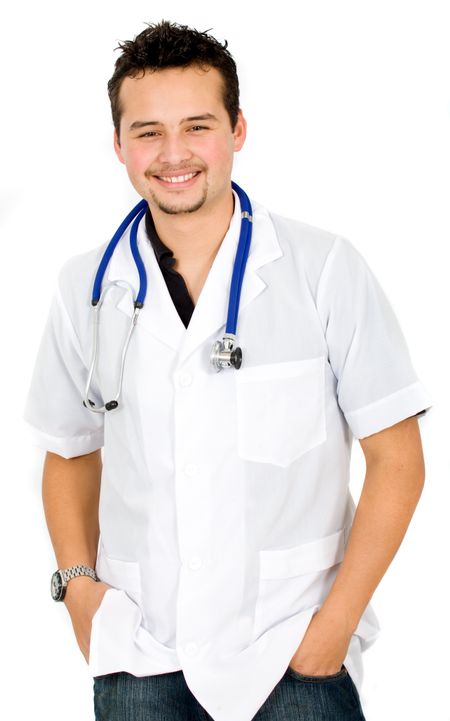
{"type": "Point", "coordinates": [376, 383]}
{"type": "Point", "coordinates": [54, 410]}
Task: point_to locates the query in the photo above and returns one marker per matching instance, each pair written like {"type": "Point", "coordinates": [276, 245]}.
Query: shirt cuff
{"type": "Point", "coordinates": [67, 447]}
{"type": "Point", "coordinates": [409, 401]}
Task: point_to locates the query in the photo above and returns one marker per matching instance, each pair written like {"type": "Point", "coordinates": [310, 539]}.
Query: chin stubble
{"type": "Point", "coordinates": [176, 210]}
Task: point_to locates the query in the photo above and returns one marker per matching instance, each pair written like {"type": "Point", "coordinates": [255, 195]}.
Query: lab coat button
{"type": "Point", "coordinates": [190, 469]}
{"type": "Point", "coordinates": [185, 379]}
{"type": "Point", "coordinates": [191, 648]}
{"type": "Point", "coordinates": [195, 563]}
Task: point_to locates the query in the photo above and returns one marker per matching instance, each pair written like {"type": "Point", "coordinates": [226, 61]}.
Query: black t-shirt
{"type": "Point", "coordinates": [174, 281]}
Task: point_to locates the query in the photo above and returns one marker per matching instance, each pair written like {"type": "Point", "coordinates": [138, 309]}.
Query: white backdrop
{"type": "Point", "coordinates": [348, 107]}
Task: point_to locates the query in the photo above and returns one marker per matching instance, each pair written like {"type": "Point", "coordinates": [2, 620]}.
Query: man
{"type": "Point", "coordinates": [218, 567]}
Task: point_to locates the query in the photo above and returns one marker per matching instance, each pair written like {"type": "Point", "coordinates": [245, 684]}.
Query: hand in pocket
{"type": "Point", "coordinates": [83, 598]}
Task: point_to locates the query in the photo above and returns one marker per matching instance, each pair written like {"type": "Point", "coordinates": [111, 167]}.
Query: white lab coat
{"type": "Point", "coordinates": [224, 509]}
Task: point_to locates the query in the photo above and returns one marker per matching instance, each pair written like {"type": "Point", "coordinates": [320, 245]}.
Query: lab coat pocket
{"type": "Point", "coordinates": [121, 575]}
{"type": "Point", "coordinates": [280, 410]}
{"type": "Point", "coordinates": [292, 580]}
{"type": "Point", "coordinates": [118, 614]}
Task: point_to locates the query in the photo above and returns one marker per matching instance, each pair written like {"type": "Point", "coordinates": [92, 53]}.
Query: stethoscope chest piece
{"type": "Point", "coordinates": [224, 354]}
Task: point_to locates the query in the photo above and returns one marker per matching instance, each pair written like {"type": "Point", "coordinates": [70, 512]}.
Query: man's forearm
{"type": "Point", "coordinates": [70, 493]}
{"type": "Point", "coordinates": [388, 499]}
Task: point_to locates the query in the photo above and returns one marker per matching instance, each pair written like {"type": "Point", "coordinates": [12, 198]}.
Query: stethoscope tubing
{"type": "Point", "coordinates": [134, 217]}
{"type": "Point", "coordinates": [140, 298]}
{"type": "Point", "coordinates": [141, 206]}
{"type": "Point", "coordinates": [96, 310]}
{"type": "Point", "coordinates": [240, 261]}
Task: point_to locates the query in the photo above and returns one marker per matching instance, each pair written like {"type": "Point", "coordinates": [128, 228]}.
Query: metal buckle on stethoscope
{"type": "Point", "coordinates": [224, 354]}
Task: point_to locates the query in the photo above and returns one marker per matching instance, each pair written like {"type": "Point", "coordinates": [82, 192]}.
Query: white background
{"type": "Point", "coordinates": [348, 106]}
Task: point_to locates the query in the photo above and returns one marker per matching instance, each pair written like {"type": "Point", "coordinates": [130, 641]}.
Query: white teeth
{"type": "Point", "coordinates": [178, 178]}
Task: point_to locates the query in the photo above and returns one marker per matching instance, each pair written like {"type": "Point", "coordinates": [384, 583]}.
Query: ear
{"type": "Point", "coordinates": [117, 148]}
{"type": "Point", "coordinates": [240, 132]}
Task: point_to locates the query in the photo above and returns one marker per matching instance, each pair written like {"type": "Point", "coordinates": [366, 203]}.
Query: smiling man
{"type": "Point", "coordinates": [209, 551]}
{"type": "Point", "coordinates": [177, 140]}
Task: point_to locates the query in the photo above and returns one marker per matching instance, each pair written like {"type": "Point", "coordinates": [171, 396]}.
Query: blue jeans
{"type": "Point", "coordinates": [166, 697]}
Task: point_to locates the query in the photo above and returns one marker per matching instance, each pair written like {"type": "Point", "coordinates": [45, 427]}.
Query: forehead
{"type": "Point", "coordinates": [183, 91]}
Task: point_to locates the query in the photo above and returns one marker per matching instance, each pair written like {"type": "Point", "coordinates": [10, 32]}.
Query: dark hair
{"type": "Point", "coordinates": [170, 45]}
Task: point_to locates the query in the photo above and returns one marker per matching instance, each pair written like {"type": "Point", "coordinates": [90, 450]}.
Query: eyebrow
{"type": "Point", "coordinates": [144, 123]}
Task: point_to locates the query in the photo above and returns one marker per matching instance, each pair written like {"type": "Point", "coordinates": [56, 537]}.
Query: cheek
{"type": "Point", "coordinates": [138, 160]}
{"type": "Point", "coordinates": [218, 155]}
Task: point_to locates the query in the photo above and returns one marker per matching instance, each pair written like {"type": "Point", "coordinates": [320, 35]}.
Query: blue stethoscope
{"type": "Point", "coordinates": [225, 353]}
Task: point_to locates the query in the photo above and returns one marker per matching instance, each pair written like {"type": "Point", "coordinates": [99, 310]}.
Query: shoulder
{"type": "Point", "coordinates": [297, 236]}
{"type": "Point", "coordinates": [308, 239]}
{"type": "Point", "coordinates": [76, 278]}
{"type": "Point", "coordinates": [321, 248]}
{"type": "Point", "coordinates": [307, 247]}
{"type": "Point", "coordinates": [77, 266]}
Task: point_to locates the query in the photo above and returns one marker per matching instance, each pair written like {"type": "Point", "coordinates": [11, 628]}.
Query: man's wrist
{"type": "Point", "coordinates": [62, 577]}
{"type": "Point", "coordinates": [77, 588]}
{"type": "Point", "coordinates": [337, 612]}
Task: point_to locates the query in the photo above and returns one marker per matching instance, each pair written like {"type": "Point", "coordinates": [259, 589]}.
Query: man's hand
{"type": "Point", "coordinates": [83, 598]}
{"type": "Point", "coordinates": [323, 647]}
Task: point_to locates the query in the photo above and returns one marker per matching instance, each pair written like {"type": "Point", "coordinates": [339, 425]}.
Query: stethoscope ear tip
{"type": "Point", "coordinates": [110, 406]}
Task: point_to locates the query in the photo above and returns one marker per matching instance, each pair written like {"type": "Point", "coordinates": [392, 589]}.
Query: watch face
{"type": "Point", "coordinates": [57, 587]}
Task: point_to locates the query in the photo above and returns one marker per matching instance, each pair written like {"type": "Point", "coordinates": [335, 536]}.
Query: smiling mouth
{"type": "Point", "coordinates": [177, 179]}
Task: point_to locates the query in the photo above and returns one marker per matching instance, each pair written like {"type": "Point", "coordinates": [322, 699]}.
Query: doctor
{"type": "Point", "coordinates": [210, 556]}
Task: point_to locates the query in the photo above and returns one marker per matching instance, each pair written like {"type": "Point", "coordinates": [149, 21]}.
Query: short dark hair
{"type": "Point", "coordinates": [170, 45]}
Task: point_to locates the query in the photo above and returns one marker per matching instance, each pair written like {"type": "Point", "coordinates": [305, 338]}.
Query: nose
{"type": "Point", "coordinates": [174, 149]}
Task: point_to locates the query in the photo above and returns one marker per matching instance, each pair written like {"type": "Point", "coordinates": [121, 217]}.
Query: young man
{"type": "Point", "coordinates": [218, 567]}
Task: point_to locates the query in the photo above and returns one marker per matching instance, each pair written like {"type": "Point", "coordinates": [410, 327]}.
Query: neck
{"type": "Point", "coordinates": [195, 238]}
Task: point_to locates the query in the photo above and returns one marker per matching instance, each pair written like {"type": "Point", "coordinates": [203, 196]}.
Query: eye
{"type": "Point", "coordinates": [149, 134]}
{"type": "Point", "coordinates": [199, 127]}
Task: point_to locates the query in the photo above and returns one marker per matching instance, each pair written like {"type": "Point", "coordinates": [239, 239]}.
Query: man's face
{"type": "Point", "coordinates": [174, 126]}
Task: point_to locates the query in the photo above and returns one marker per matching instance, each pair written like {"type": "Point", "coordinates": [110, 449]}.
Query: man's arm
{"type": "Point", "coordinates": [70, 493]}
{"type": "Point", "coordinates": [395, 475]}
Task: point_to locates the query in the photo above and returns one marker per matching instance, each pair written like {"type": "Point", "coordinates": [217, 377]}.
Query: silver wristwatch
{"type": "Point", "coordinates": [61, 578]}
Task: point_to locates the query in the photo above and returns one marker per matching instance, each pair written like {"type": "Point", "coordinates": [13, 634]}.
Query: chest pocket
{"type": "Point", "coordinates": [280, 410]}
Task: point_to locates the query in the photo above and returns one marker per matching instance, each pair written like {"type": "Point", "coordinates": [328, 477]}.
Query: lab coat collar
{"type": "Point", "coordinates": [159, 315]}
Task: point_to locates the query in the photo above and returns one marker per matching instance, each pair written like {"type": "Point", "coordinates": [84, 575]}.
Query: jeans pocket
{"type": "Point", "coordinates": [317, 679]}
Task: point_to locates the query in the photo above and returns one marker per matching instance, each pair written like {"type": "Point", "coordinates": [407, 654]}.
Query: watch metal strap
{"type": "Point", "coordinates": [79, 570]}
